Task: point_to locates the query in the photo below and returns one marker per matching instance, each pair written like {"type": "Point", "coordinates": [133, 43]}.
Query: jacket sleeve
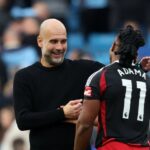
{"type": "Point", "coordinates": [26, 118]}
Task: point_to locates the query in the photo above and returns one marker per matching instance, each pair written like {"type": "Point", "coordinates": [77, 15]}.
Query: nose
{"type": "Point", "coordinates": [59, 46]}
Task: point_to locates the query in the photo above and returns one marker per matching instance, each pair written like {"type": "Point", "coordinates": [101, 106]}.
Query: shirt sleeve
{"type": "Point", "coordinates": [26, 118]}
{"type": "Point", "coordinates": [92, 88]}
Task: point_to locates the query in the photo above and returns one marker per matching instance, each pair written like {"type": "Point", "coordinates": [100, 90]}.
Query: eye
{"type": "Point", "coordinates": [53, 41]}
{"type": "Point", "coordinates": [63, 41]}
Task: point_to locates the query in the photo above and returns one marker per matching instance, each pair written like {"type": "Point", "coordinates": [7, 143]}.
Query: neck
{"type": "Point", "coordinates": [45, 64]}
{"type": "Point", "coordinates": [115, 58]}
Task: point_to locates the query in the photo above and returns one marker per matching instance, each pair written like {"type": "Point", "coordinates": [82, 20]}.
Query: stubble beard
{"type": "Point", "coordinates": [53, 61]}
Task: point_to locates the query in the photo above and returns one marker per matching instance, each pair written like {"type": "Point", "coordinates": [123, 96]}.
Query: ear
{"type": "Point", "coordinates": [112, 47]}
{"type": "Point", "coordinates": [113, 57]}
{"type": "Point", "coordinates": [40, 41]}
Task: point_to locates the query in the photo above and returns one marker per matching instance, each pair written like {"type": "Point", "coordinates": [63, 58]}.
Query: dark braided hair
{"type": "Point", "coordinates": [130, 40]}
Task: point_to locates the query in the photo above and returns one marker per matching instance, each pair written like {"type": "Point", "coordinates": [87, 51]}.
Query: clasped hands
{"type": "Point", "coordinates": [72, 110]}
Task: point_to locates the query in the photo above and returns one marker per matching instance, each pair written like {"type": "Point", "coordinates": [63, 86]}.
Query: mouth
{"type": "Point", "coordinates": [57, 54]}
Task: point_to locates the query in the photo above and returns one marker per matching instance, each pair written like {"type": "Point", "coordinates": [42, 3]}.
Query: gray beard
{"type": "Point", "coordinates": [53, 62]}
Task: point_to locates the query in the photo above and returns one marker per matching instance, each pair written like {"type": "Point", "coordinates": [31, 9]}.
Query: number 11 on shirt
{"type": "Point", "coordinates": [127, 100]}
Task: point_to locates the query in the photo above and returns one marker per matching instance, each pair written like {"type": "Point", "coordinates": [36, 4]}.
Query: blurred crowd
{"type": "Point", "coordinates": [91, 26]}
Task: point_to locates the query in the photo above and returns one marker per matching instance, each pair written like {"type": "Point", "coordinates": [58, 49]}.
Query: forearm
{"type": "Point", "coordinates": [26, 115]}
{"type": "Point", "coordinates": [30, 120]}
{"type": "Point", "coordinates": [83, 135]}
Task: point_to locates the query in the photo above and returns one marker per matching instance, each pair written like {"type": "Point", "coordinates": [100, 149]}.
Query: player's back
{"type": "Point", "coordinates": [127, 101]}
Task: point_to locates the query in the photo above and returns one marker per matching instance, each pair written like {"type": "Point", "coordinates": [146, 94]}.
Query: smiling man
{"type": "Point", "coordinates": [47, 94]}
{"type": "Point", "coordinates": [53, 42]}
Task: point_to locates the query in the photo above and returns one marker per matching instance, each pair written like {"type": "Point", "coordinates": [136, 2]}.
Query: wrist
{"type": "Point", "coordinates": [139, 65]}
{"type": "Point", "coordinates": [62, 112]}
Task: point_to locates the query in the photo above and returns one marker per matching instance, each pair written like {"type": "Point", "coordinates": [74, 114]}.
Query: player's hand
{"type": "Point", "coordinates": [145, 63]}
{"type": "Point", "coordinates": [72, 109]}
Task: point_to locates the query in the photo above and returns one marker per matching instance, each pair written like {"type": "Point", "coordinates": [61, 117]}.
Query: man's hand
{"type": "Point", "coordinates": [72, 109]}
{"type": "Point", "coordinates": [145, 63]}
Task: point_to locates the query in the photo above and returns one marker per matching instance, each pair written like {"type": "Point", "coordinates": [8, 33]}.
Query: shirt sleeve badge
{"type": "Point", "coordinates": [88, 91]}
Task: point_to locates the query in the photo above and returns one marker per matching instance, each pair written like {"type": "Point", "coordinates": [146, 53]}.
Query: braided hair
{"type": "Point", "coordinates": [130, 40]}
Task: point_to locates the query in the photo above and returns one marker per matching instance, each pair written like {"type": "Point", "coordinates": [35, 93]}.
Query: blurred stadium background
{"type": "Point", "coordinates": [91, 25]}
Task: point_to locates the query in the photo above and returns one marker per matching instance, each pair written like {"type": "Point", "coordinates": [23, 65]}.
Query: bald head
{"type": "Point", "coordinates": [52, 40]}
{"type": "Point", "coordinates": [52, 26]}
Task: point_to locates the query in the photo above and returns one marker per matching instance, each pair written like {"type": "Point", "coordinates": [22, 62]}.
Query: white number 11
{"type": "Point", "coordinates": [127, 100]}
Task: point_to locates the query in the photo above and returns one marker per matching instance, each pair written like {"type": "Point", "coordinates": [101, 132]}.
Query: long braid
{"type": "Point", "coordinates": [130, 40]}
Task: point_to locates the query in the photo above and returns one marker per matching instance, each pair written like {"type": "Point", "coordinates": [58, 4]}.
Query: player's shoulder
{"type": "Point", "coordinates": [111, 66]}
{"type": "Point", "coordinates": [104, 70]}
{"type": "Point", "coordinates": [96, 75]}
